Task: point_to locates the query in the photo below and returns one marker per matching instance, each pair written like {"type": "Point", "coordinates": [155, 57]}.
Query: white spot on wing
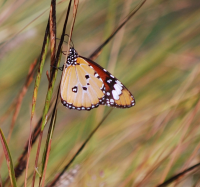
{"type": "Point", "coordinates": [118, 89]}
{"type": "Point", "coordinates": [119, 83]}
{"type": "Point", "coordinates": [115, 95]}
{"type": "Point", "coordinates": [109, 80]}
{"type": "Point", "coordinates": [111, 100]}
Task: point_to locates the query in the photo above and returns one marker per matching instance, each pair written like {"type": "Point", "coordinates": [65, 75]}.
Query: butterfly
{"type": "Point", "coordinates": [86, 85]}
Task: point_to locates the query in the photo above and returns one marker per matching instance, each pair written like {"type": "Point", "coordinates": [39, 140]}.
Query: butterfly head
{"type": "Point", "coordinates": [72, 57]}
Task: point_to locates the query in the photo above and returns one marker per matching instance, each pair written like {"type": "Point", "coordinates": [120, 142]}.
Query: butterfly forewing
{"type": "Point", "coordinates": [80, 89]}
{"type": "Point", "coordinates": [85, 85]}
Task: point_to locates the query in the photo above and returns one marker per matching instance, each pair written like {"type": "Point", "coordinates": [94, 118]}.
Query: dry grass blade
{"type": "Point", "coordinates": [52, 80]}
{"type": "Point", "coordinates": [23, 158]}
{"type": "Point", "coordinates": [1, 184]}
{"type": "Point", "coordinates": [21, 165]}
{"type": "Point", "coordinates": [75, 9]}
{"type": "Point", "coordinates": [35, 92]}
{"type": "Point", "coordinates": [19, 100]}
{"type": "Point", "coordinates": [53, 119]}
{"type": "Point", "coordinates": [154, 55]}
{"type": "Point", "coordinates": [79, 150]}
{"type": "Point", "coordinates": [17, 104]}
{"type": "Point", "coordinates": [48, 144]}
{"type": "Point", "coordinates": [174, 178]}
{"type": "Point", "coordinates": [40, 68]}
{"type": "Point", "coordinates": [8, 160]}
{"type": "Point", "coordinates": [7, 112]}
{"type": "Point", "coordinates": [19, 168]}
{"type": "Point", "coordinates": [48, 140]}
{"type": "Point", "coordinates": [52, 26]}
{"type": "Point", "coordinates": [23, 92]}
{"type": "Point", "coordinates": [98, 50]}
{"type": "Point", "coordinates": [92, 56]}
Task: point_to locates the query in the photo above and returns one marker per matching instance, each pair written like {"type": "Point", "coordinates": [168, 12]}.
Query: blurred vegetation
{"type": "Point", "coordinates": [156, 55]}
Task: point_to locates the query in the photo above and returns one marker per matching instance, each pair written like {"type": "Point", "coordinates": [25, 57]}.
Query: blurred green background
{"type": "Point", "coordinates": [156, 55]}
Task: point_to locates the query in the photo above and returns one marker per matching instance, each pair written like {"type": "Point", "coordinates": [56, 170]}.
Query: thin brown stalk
{"type": "Point", "coordinates": [54, 113]}
{"type": "Point", "coordinates": [37, 157]}
{"type": "Point", "coordinates": [37, 82]}
{"type": "Point", "coordinates": [22, 160]}
{"type": "Point", "coordinates": [152, 169]}
{"type": "Point", "coordinates": [32, 79]}
{"type": "Point", "coordinates": [98, 50]}
{"type": "Point", "coordinates": [51, 86]}
{"type": "Point", "coordinates": [79, 150]}
{"type": "Point", "coordinates": [118, 40]}
{"type": "Point", "coordinates": [76, 2]}
{"type": "Point", "coordinates": [8, 159]}
{"type": "Point", "coordinates": [7, 112]}
{"type": "Point", "coordinates": [46, 161]}
{"type": "Point", "coordinates": [49, 139]}
{"type": "Point", "coordinates": [1, 184]}
{"type": "Point", "coordinates": [188, 122]}
{"type": "Point", "coordinates": [92, 56]}
{"type": "Point", "coordinates": [52, 28]}
{"type": "Point", "coordinates": [175, 177]}
{"type": "Point", "coordinates": [17, 103]}
{"type": "Point", "coordinates": [29, 79]}
{"type": "Point", "coordinates": [19, 168]}
{"type": "Point", "coordinates": [29, 151]}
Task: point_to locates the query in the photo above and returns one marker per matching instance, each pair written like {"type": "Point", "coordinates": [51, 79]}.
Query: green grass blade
{"type": "Point", "coordinates": [48, 146]}
{"type": "Point", "coordinates": [8, 159]}
{"type": "Point", "coordinates": [40, 69]}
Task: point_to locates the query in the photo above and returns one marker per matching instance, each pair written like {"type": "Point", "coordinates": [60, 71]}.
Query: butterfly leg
{"type": "Point", "coordinates": [60, 68]}
{"type": "Point", "coordinates": [63, 52]}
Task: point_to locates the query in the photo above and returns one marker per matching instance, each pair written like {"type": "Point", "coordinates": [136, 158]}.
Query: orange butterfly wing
{"type": "Point", "coordinates": [117, 95]}
{"type": "Point", "coordinates": [85, 85]}
{"type": "Point", "coordinates": [80, 89]}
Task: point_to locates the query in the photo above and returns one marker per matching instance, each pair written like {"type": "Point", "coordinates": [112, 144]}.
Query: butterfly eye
{"type": "Point", "coordinates": [86, 85]}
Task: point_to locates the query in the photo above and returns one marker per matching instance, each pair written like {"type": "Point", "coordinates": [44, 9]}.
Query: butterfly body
{"type": "Point", "coordinates": [86, 85]}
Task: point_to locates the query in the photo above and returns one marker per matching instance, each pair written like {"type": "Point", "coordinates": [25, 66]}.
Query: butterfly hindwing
{"type": "Point", "coordinates": [86, 85]}
{"type": "Point", "coordinates": [116, 94]}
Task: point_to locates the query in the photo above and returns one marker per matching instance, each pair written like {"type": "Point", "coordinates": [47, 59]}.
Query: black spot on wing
{"type": "Point", "coordinates": [75, 89]}
{"type": "Point", "coordinates": [87, 76]}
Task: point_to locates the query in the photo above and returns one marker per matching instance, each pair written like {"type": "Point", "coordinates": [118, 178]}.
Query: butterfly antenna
{"type": "Point", "coordinates": [63, 41]}
{"type": "Point", "coordinates": [71, 41]}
